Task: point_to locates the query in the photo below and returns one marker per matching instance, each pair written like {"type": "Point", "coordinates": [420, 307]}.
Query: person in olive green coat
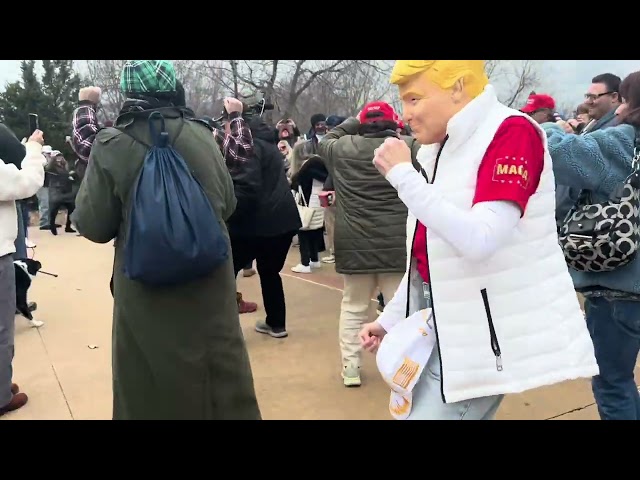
{"type": "Point", "coordinates": [178, 352]}
{"type": "Point", "coordinates": [370, 226]}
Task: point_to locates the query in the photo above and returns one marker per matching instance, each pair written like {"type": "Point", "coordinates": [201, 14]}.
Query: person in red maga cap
{"type": "Point", "coordinates": [370, 226]}
{"type": "Point", "coordinates": [540, 107]}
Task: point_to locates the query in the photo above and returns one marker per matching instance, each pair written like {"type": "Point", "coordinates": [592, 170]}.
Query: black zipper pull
{"type": "Point", "coordinates": [492, 332]}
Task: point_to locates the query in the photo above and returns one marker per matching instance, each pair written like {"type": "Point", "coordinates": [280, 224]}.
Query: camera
{"type": "Point", "coordinates": [252, 105]}
{"type": "Point", "coordinates": [255, 104]}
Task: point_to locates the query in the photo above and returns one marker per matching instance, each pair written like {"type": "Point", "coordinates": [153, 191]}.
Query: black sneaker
{"type": "Point", "coordinates": [262, 327]}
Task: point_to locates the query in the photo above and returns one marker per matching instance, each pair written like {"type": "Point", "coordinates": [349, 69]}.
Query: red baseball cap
{"type": "Point", "coordinates": [538, 101]}
{"type": "Point", "coordinates": [376, 111]}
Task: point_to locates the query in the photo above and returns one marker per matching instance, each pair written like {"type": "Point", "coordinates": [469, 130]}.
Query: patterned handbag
{"type": "Point", "coordinates": [600, 237]}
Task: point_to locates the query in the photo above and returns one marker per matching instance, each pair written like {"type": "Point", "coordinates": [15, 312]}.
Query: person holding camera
{"type": "Point", "coordinates": [19, 180]}
{"type": "Point", "coordinates": [236, 143]}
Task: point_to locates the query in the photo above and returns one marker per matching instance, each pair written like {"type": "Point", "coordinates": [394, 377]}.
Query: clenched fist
{"type": "Point", "coordinates": [233, 105]}
{"type": "Point", "coordinates": [391, 153]}
{"type": "Point", "coordinates": [91, 94]}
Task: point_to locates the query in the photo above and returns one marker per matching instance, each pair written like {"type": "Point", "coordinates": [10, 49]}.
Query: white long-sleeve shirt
{"type": "Point", "coordinates": [15, 185]}
{"type": "Point", "coordinates": [476, 234]}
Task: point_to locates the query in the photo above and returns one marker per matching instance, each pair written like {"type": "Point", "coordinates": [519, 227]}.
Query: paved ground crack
{"type": "Point", "coordinates": [55, 373]}
{"type": "Point", "coordinates": [570, 411]}
{"type": "Point", "coordinates": [577, 409]}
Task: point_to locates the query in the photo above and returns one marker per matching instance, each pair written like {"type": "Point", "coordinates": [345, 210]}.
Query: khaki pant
{"type": "Point", "coordinates": [329, 225]}
{"type": "Point", "coordinates": [359, 289]}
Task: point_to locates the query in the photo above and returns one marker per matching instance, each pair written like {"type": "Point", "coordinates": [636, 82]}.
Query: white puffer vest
{"type": "Point", "coordinates": [513, 322]}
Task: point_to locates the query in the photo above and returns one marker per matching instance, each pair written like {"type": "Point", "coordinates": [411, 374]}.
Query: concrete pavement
{"type": "Point", "coordinates": [296, 378]}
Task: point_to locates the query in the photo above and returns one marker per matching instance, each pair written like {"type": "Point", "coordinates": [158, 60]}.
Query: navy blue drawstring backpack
{"type": "Point", "coordinates": [174, 234]}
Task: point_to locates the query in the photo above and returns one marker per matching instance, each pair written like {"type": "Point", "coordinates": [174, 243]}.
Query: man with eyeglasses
{"type": "Point", "coordinates": [602, 98]}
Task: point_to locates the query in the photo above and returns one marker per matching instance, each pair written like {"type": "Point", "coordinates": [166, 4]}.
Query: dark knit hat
{"type": "Point", "coordinates": [317, 118]}
{"type": "Point", "coordinates": [334, 120]}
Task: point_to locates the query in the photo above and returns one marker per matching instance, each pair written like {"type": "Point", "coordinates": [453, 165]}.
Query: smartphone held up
{"type": "Point", "coordinates": [34, 123]}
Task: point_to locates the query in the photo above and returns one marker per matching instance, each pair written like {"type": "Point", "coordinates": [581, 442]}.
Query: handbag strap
{"type": "Point", "coordinates": [635, 162]}
{"type": "Point", "coordinates": [584, 197]}
{"type": "Point", "coordinates": [304, 200]}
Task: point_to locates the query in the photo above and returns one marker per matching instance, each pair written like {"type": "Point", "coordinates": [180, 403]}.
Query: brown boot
{"type": "Point", "coordinates": [19, 400]}
{"type": "Point", "coordinates": [14, 388]}
{"type": "Point", "coordinates": [245, 307]}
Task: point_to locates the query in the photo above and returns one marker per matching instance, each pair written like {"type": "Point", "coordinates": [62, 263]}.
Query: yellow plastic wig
{"type": "Point", "coordinates": [444, 73]}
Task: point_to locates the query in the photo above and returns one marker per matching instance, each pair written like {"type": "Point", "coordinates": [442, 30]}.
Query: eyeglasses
{"type": "Point", "coordinates": [595, 96]}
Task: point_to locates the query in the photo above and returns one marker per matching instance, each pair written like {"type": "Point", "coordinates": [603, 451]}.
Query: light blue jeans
{"type": "Point", "coordinates": [428, 404]}
{"type": "Point", "coordinates": [43, 206]}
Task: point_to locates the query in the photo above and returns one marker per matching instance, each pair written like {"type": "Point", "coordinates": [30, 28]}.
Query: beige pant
{"type": "Point", "coordinates": [359, 289]}
{"type": "Point", "coordinates": [329, 225]}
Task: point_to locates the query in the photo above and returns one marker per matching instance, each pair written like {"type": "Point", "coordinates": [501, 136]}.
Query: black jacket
{"type": "Point", "coordinates": [328, 184]}
{"type": "Point", "coordinates": [266, 207]}
{"type": "Point", "coordinates": [312, 169]}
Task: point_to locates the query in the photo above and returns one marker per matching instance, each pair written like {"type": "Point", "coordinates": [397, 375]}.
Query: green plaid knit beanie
{"type": "Point", "coordinates": [148, 77]}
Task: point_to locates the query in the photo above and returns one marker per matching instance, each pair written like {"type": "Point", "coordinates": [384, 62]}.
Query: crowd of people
{"type": "Point", "coordinates": [475, 224]}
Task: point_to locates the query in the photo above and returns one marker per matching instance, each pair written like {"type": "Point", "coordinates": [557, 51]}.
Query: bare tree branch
{"type": "Point", "coordinates": [296, 87]}
{"type": "Point", "coordinates": [513, 79]}
{"type": "Point", "coordinates": [199, 79]}
{"type": "Point", "coordinates": [343, 91]}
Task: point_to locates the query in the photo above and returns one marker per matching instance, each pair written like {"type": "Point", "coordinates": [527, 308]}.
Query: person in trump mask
{"type": "Point", "coordinates": [483, 262]}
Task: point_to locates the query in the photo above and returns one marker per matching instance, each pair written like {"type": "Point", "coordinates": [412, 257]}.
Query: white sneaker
{"type": "Point", "coordinates": [329, 259]}
{"type": "Point", "coordinates": [315, 264]}
{"type": "Point", "coordinates": [29, 243]}
{"type": "Point", "coordinates": [36, 323]}
{"type": "Point", "coordinates": [301, 269]}
{"type": "Point", "coordinates": [351, 376]}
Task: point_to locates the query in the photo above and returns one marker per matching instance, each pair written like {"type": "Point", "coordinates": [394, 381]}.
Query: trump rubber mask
{"type": "Point", "coordinates": [433, 91]}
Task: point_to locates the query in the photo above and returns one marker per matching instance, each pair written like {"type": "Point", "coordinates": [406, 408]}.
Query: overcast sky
{"type": "Point", "coordinates": [570, 78]}
{"type": "Point", "coordinates": [566, 79]}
